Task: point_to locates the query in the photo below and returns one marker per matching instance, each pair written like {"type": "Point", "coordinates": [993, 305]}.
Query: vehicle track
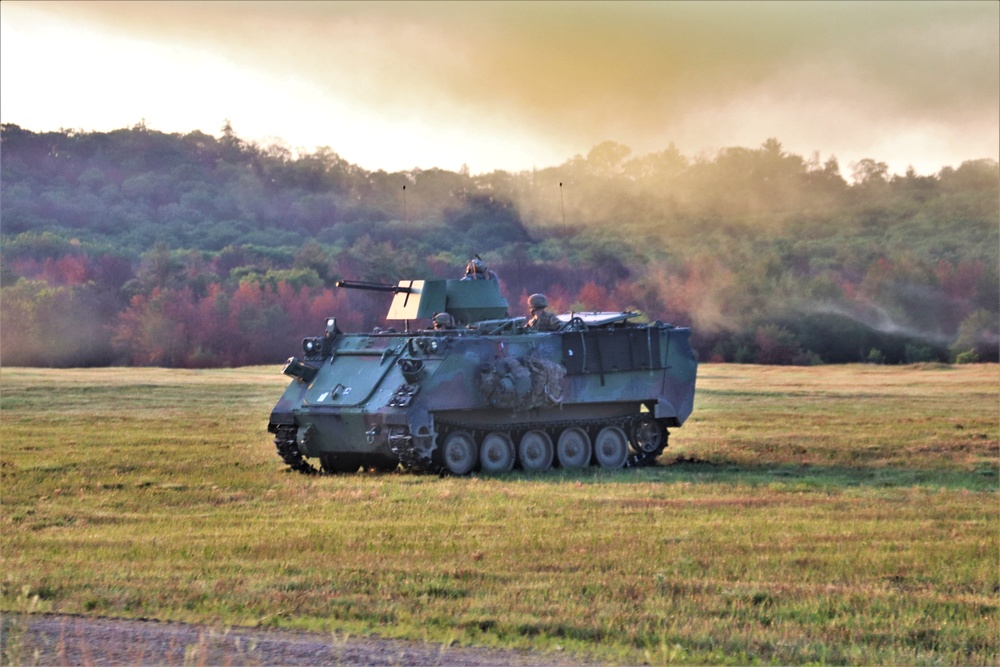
{"type": "Point", "coordinates": [52, 639]}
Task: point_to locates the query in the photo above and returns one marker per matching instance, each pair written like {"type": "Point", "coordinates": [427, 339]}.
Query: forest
{"type": "Point", "coordinates": [138, 247]}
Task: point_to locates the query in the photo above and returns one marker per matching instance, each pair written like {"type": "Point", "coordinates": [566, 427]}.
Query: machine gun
{"type": "Point", "coordinates": [374, 287]}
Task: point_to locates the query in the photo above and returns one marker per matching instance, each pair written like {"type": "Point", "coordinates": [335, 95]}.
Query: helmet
{"type": "Point", "coordinates": [475, 266]}
{"type": "Point", "coordinates": [443, 320]}
{"type": "Point", "coordinates": [537, 301]}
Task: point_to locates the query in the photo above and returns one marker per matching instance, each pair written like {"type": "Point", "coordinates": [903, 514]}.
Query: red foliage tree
{"type": "Point", "coordinates": [594, 297]}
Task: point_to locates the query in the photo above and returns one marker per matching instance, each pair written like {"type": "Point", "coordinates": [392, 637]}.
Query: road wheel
{"type": "Point", "coordinates": [496, 454]}
{"type": "Point", "coordinates": [535, 451]}
{"type": "Point", "coordinates": [611, 447]}
{"type": "Point", "coordinates": [574, 448]}
{"type": "Point", "coordinates": [648, 436]}
{"type": "Point", "coordinates": [460, 453]}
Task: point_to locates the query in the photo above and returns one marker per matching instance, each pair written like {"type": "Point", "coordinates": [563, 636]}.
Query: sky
{"type": "Point", "coordinates": [517, 86]}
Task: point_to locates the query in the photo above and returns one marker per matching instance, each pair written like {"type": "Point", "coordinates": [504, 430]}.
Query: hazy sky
{"type": "Point", "coordinates": [519, 85]}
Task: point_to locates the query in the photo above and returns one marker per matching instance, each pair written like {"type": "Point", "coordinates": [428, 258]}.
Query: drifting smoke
{"type": "Point", "coordinates": [515, 85]}
{"type": "Point", "coordinates": [878, 319]}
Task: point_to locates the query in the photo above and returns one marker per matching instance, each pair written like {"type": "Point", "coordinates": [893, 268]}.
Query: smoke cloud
{"type": "Point", "coordinates": [877, 318]}
{"type": "Point", "coordinates": [903, 82]}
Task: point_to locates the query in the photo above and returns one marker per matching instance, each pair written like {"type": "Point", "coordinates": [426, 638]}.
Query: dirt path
{"type": "Point", "coordinates": [75, 640]}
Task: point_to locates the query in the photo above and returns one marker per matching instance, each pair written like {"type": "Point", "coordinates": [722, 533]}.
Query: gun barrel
{"type": "Point", "coordinates": [373, 287]}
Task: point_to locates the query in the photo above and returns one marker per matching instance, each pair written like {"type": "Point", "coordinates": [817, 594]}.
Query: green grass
{"type": "Point", "coordinates": [803, 515]}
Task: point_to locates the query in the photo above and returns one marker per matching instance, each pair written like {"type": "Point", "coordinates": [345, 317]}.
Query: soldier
{"type": "Point", "coordinates": [477, 270]}
{"type": "Point", "coordinates": [443, 321]}
{"type": "Point", "coordinates": [541, 319]}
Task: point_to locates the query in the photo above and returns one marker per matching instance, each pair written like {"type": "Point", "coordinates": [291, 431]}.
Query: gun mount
{"type": "Point", "coordinates": [467, 301]}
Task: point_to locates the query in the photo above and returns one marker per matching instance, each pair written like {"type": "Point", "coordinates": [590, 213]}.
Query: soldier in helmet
{"type": "Point", "coordinates": [541, 319]}
{"type": "Point", "coordinates": [443, 321]}
{"type": "Point", "coordinates": [477, 270]}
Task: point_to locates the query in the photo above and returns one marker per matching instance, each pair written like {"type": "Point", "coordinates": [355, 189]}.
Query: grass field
{"type": "Point", "coordinates": [841, 514]}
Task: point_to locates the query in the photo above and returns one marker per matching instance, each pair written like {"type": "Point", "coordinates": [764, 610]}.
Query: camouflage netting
{"type": "Point", "coordinates": [522, 384]}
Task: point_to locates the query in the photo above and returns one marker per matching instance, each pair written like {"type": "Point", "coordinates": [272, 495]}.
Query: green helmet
{"type": "Point", "coordinates": [476, 267]}
{"type": "Point", "coordinates": [536, 301]}
{"type": "Point", "coordinates": [443, 320]}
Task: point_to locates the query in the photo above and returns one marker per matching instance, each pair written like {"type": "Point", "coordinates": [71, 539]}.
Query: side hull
{"type": "Point", "coordinates": [374, 391]}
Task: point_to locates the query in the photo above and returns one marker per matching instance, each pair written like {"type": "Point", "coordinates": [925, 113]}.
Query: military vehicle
{"type": "Point", "coordinates": [488, 393]}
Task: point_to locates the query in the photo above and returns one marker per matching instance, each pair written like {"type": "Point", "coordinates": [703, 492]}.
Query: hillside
{"type": "Point", "coordinates": [140, 247]}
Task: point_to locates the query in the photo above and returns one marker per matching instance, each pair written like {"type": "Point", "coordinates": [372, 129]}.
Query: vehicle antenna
{"type": "Point", "coordinates": [562, 206]}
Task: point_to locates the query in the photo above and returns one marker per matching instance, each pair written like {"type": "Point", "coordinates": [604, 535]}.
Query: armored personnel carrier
{"type": "Point", "coordinates": [487, 393]}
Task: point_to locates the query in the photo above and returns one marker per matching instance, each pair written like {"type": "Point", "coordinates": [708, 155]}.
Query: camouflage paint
{"type": "Point", "coordinates": [350, 395]}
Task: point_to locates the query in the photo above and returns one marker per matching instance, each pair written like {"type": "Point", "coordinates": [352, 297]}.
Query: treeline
{"type": "Point", "coordinates": [140, 247]}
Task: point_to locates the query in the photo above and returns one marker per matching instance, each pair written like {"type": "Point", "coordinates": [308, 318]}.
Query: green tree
{"type": "Point", "coordinates": [978, 334]}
